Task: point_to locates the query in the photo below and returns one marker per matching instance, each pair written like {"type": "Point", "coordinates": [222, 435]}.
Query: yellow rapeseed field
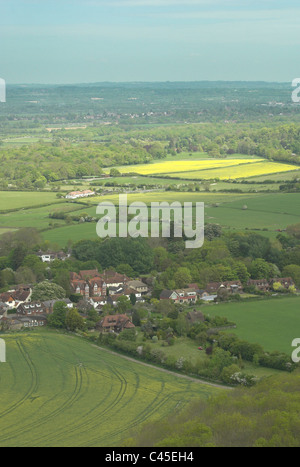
{"type": "Point", "coordinates": [236, 172]}
{"type": "Point", "coordinates": [170, 167]}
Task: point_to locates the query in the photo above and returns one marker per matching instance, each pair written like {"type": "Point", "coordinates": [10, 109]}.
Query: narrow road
{"type": "Point", "coordinates": [173, 373]}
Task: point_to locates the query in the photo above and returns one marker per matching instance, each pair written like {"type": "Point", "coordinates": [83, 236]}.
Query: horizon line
{"type": "Point", "coordinates": [145, 82]}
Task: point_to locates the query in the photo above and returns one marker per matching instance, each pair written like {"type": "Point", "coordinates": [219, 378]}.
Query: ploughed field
{"type": "Point", "coordinates": [60, 390]}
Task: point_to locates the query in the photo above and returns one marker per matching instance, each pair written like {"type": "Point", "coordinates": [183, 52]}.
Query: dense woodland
{"type": "Point", "coordinates": [266, 415]}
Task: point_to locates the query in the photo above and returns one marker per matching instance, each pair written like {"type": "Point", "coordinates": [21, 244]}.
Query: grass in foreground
{"type": "Point", "coordinates": [59, 390]}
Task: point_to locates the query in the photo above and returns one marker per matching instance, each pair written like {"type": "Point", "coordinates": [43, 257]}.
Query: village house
{"type": "Point", "coordinates": [93, 284]}
{"type": "Point", "coordinates": [202, 293]}
{"type": "Point", "coordinates": [35, 321]}
{"type": "Point", "coordinates": [14, 298]}
{"type": "Point", "coordinates": [213, 288]}
{"type": "Point", "coordinates": [49, 256]}
{"type": "Point", "coordinates": [127, 292]}
{"type": "Point", "coordinates": [114, 323]}
{"type": "Point", "coordinates": [17, 322]}
{"type": "Point", "coordinates": [260, 284]}
{"type": "Point", "coordinates": [88, 284]}
{"type": "Point", "coordinates": [180, 296]}
{"type": "Point", "coordinates": [139, 286]}
{"type": "Point", "coordinates": [31, 309]}
{"type": "Point", "coordinates": [99, 302]}
{"type": "Point", "coordinates": [114, 279]}
{"type": "Point", "coordinates": [286, 282]}
{"type": "Point", "coordinates": [80, 194]}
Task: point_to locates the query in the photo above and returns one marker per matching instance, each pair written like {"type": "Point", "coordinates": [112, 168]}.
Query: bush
{"type": "Point", "coordinates": [228, 372]}
{"type": "Point", "coordinates": [278, 361]}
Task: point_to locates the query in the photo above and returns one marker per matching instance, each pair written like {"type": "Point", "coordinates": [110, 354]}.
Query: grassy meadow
{"type": "Point", "coordinates": [10, 200]}
{"type": "Point", "coordinates": [274, 324]}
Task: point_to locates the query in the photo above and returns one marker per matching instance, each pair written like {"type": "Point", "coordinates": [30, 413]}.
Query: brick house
{"type": "Point", "coordinates": [88, 284]}
{"type": "Point", "coordinates": [31, 309]}
{"type": "Point", "coordinates": [115, 323]}
{"type": "Point", "coordinates": [93, 284]}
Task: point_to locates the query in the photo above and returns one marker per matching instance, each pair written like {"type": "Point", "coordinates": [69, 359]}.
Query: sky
{"type": "Point", "coordinates": [85, 41]}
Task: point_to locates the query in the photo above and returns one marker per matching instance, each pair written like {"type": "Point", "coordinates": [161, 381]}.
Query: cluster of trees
{"type": "Point", "coordinates": [266, 415]}
{"type": "Point", "coordinates": [225, 256]}
{"type": "Point", "coordinates": [255, 353]}
{"type": "Point", "coordinates": [71, 320]}
{"type": "Point", "coordinates": [36, 165]}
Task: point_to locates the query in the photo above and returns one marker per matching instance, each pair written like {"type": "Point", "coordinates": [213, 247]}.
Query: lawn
{"type": "Point", "coordinates": [273, 323]}
{"type": "Point", "coordinates": [61, 391]}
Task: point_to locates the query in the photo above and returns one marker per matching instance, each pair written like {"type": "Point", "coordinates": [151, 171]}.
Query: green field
{"type": "Point", "coordinates": [58, 390]}
{"type": "Point", "coordinates": [171, 196]}
{"type": "Point", "coordinates": [274, 324]}
{"type": "Point", "coordinates": [265, 213]}
{"type": "Point", "coordinates": [20, 199]}
{"type": "Point", "coordinates": [77, 232]}
{"type": "Point", "coordinates": [35, 217]}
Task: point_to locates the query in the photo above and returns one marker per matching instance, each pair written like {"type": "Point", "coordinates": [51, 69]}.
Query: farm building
{"type": "Point", "coordinates": [80, 194]}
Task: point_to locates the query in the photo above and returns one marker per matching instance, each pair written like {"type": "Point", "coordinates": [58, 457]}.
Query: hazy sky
{"type": "Point", "coordinates": [72, 41]}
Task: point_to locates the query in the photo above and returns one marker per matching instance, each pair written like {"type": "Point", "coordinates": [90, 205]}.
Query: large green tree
{"type": "Point", "coordinates": [47, 291]}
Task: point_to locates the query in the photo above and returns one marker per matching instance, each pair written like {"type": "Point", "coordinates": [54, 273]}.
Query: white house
{"type": "Point", "coordinates": [80, 194]}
